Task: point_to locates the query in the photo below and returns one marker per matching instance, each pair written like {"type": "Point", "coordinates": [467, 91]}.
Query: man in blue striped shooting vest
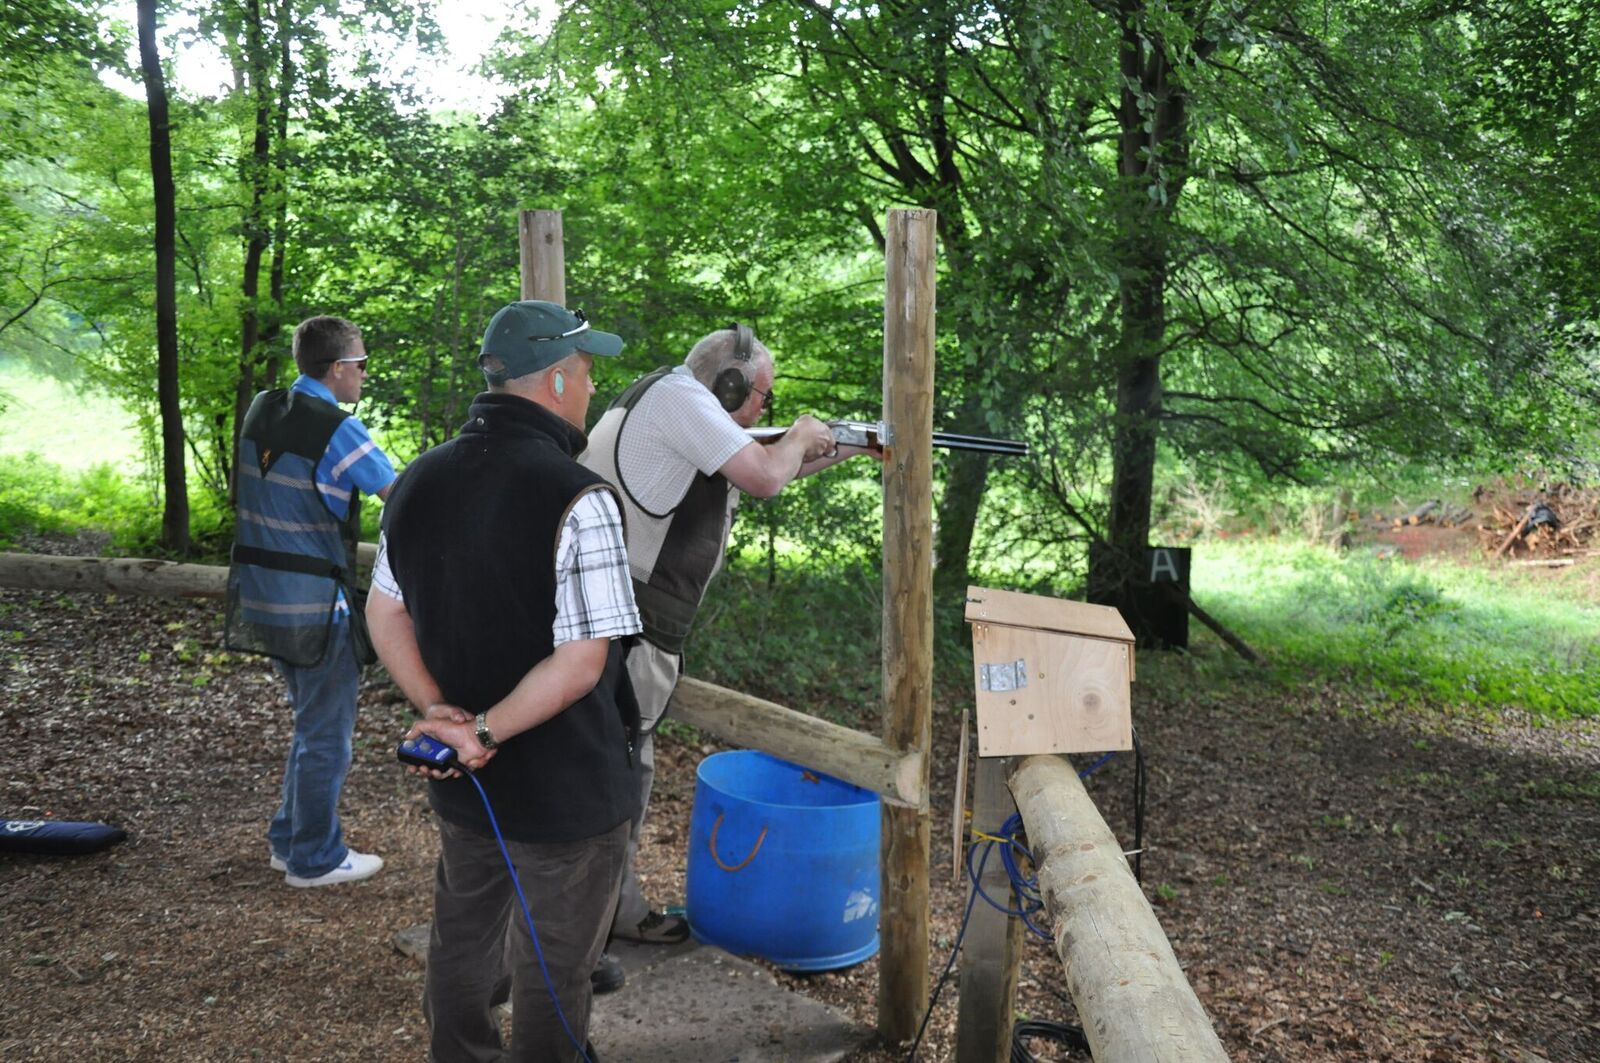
{"type": "Point", "coordinates": [303, 465]}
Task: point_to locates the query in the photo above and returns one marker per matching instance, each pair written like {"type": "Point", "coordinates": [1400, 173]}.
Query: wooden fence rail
{"type": "Point", "coordinates": [1134, 999]}
{"type": "Point", "coordinates": [752, 723]}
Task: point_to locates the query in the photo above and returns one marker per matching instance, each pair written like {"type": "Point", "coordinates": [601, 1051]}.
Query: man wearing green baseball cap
{"type": "Point", "coordinates": [533, 334]}
{"type": "Point", "coordinates": [499, 594]}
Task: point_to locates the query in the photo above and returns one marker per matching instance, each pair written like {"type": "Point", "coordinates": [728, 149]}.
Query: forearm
{"type": "Point", "coordinates": [787, 457]}
{"type": "Point", "coordinates": [549, 688]}
{"type": "Point", "coordinates": [395, 639]}
{"type": "Point", "coordinates": [763, 469]}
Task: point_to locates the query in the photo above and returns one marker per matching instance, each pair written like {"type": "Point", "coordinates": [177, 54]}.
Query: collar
{"type": "Point", "coordinates": [502, 412]}
{"type": "Point", "coordinates": [317, 388]}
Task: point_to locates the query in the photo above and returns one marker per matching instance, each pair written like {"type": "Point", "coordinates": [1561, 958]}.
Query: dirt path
{"type": "Point", "coordinates": [1339, 886]}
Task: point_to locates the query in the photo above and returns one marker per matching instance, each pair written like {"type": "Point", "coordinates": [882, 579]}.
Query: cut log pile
{"type": "Point", "coordinates": [1559, 521]}
{"type": "Point", "coordinates": [1434, 512]}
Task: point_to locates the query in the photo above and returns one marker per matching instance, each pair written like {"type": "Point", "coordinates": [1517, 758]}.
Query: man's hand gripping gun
{"type": "Point", "coordinates": [876, 435]}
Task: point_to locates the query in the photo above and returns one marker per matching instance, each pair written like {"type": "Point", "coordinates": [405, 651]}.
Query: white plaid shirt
{"type": "Point", "coordinates": [594, 593]}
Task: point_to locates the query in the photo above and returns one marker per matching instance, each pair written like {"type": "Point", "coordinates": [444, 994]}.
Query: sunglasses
{"type": "Point", "coordinates": [766, 397]}
{"type": "Point", "coordinates": [583, 326]}
{"type": "Point", "coordinates": [359, 363]}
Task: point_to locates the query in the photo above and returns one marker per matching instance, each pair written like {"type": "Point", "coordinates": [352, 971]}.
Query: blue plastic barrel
{"type": "Point", "coordinates": [783, 863]}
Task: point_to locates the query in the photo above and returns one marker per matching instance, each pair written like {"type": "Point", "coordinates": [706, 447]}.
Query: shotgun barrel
{"type": "Point", "coordinates": [877, 434]}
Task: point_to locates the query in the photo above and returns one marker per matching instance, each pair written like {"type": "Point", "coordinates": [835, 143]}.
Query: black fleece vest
{"type": "Point", "coordinates": [472, 528]}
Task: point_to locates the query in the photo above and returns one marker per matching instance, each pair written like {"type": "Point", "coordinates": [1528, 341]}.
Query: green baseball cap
{"type": "Point", "coordinates": [534, 334]}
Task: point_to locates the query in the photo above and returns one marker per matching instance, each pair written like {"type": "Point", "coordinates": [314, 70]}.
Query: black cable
{"type": "Point", "coordinates": [1071, 1037]}
{"type": "Point", "coordinates": [955, 950]}
{"type": "Point", "coordinates": [1141, 784]}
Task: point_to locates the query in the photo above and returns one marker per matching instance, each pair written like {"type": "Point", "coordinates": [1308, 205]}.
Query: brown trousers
{"type": "Point", "coordinates": [481, 954]}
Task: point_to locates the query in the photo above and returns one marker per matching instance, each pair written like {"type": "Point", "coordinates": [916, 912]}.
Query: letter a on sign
{"type": "Point", "coordinates": [1163, 569]}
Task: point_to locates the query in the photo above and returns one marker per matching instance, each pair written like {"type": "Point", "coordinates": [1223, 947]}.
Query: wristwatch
{"type": "Point", "coordinates": [485, 739]}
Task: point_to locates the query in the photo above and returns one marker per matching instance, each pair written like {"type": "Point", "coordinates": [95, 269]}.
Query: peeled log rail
{"type": "Point", "coordinates": [128, 575]}
{"type": "Point", "coordinates": [1135, 1002]}
{"type": "Point", "coordinates": [119, 575]}
{"type": "Point", "coordinates": [757, 724]}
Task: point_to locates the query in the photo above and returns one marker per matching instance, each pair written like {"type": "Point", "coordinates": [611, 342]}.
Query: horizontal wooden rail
{"type": "Point", "coordinates": [128, 575]}
{"type": "Point", "coordinates": [753, 723]}
{"type": "Point", "coordinates": [1134, 999]}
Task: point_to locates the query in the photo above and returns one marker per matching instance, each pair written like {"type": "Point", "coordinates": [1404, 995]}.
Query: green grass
{"type": "Point", "coordinates": [808, 643]}
{"type": "Point", "coordinates": [1398, 633]}
{"type": "Point", "coordinates": [40, 497]}
{"type": "Point", "coordinates": [74, 430]}
{"type": "Point", "coordinates": [1432, 630]}
{"type": "Point", "coordinates": [811, 638]}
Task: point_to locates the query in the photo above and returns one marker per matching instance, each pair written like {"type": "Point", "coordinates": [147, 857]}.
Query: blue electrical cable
{"type": "Point", "coordinates": [526, 914]}
{"type": "Point", "coordinates": [1026, 889]}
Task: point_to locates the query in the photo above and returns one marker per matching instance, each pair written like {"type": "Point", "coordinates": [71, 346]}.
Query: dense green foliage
{"type": "Point", "coordinates": [1275, 243]}
{"type": "Point", "coordinates": [37, 496]}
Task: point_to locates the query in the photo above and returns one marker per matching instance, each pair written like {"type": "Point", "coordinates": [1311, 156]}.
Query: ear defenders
{"type": "Point", "coordinates": [732, 387]}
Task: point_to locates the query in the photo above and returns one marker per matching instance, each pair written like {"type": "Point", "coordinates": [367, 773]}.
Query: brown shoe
{"type": "Point", "coordinates": [657, 928]}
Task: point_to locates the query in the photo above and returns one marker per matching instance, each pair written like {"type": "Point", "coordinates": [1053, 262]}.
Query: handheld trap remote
{"type": "Point", "coordinates": [427, 752]}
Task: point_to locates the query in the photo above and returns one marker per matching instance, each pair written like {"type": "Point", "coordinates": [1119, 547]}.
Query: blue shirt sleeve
{"type": "Point", "coordinates": [352, 462]}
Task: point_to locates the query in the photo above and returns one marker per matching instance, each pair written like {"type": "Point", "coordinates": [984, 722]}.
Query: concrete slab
{"type": "Point", "coordinates": [690, 1003]}
{"type": "Point", "coordinates": [700, 1005]}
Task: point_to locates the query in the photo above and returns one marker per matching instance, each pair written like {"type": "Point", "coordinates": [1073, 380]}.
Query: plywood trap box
{"type": "Point", "coordinates": [1051, 675]}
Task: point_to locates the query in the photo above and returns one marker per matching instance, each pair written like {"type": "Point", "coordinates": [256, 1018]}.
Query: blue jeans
{"type": "Point", "coordinates": [305, 831]}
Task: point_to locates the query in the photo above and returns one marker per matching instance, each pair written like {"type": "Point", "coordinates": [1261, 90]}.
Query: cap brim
{"type": "Point", "coordinates": [600, 344]}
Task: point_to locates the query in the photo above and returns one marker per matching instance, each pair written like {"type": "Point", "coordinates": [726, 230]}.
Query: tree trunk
{"type": "Point", "coordinates": [425, 398]}
{"type": "Point", "coordinates": [280, 190]}
{"type": "Point", "coordinates": [1153, 145]}
{"type": "Point", "coordinates": [255, 231]}
{"type": "Point", "coordinates": [452, 408]}
{"type": "Point", "coordinates": [1133, 448]}
{"type": "Point", "coordinates": [175, 510]}
{"type": "Point", "coordinates": [958, 509]}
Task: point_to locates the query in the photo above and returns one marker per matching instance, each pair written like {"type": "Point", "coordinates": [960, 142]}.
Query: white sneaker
{"type": "Point", "coordinates": [356, 867]}
{"type": "Point", "coordinates": [277, 863]}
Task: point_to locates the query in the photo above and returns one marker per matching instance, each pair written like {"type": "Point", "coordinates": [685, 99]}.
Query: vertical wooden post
{"type": "Point", "coordinates": [544, 263]}
{"type": "Point", "coordinates": [907, 610]}
{"type": "Point", "coordinates": [991, 953]}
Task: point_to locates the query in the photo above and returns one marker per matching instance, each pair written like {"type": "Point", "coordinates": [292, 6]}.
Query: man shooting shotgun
{"type": "Point", "coordinates": [676, 444]}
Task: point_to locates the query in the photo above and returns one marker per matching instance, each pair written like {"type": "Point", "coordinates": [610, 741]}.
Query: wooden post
{"type": "Point", "coordinates": [907, 610]}
{"type": "Point", "coordinates": [543, 253]}
{"type": "Point", "coordinates": [991, 954]}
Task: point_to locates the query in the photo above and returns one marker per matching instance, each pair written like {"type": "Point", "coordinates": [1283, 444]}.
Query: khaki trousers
{"type": "Point", "coordinates": [654, 673]}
